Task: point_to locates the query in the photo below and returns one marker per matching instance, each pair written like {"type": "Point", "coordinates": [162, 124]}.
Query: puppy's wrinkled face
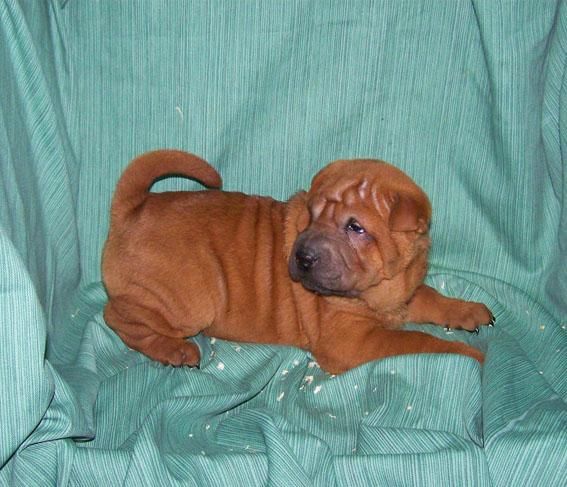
{"type": "Point", "coordinates": [355, 208]}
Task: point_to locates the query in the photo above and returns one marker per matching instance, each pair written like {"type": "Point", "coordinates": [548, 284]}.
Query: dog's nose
{"type": "Point", "coordinates": [306, 259]}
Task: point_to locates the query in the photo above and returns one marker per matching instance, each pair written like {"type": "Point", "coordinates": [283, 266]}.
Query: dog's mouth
{"type": "Point", "coordinates": [321, 289]}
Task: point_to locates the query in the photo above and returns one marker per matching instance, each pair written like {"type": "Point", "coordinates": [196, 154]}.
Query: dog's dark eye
{"type": "Point", "coordinates": [354, 226]}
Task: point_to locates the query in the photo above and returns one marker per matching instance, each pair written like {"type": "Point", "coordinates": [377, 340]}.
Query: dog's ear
{"type": "Point", "coordinates": [409, 213]}
{"type": "Point", "coordinates": [399, 212]}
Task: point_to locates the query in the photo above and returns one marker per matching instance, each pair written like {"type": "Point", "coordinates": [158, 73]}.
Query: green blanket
{"type": "Point", "coordinates": [467, 96]}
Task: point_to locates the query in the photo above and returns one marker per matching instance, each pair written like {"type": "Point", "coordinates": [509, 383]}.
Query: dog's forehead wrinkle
{"type": "Point", "coordinates": [329, 210]}
{"type": "Point", "coordinates": [382, 200]}
{"type": "Point", "coordinates": [363, 188]}
{"type": "Point", "coordinates": [317, 206]}
{"type": "Point", "coordinates": [344, 192]}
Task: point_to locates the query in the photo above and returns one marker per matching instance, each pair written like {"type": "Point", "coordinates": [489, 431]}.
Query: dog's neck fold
{"type": "Point", "coordinates": [296, 220]}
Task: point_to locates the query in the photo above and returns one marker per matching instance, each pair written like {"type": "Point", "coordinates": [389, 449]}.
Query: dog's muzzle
{"type": "Point", "coordinates": [318, 266]}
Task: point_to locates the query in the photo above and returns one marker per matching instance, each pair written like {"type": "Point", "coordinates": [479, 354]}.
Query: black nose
{"type": "Point", "coordinates": [306, 259]}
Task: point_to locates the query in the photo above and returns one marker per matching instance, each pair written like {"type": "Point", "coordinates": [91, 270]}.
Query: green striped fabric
{"type": "Point", "coordinates": [467, 96]}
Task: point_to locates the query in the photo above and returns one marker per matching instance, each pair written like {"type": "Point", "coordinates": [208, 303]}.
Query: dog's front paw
{"type": "Point", "coordinates": [468, 315]}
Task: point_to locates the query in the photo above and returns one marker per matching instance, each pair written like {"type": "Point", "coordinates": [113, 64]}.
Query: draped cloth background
{"type": "Point", "coordinates": [467, 96]}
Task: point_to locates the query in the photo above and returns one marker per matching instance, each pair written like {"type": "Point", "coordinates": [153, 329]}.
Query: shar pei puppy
{"type": "Point", "coordinates": [336, 270]}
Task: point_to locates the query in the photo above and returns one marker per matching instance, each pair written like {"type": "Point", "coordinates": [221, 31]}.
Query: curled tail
{"type": "Point", "coordinates": [134, 184]}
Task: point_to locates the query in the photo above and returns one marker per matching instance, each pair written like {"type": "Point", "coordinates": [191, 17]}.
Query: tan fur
{"type": "Point", "coordinates": [179, 263]}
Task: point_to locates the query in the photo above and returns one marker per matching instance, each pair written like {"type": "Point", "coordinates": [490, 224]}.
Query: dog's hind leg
{"type": "Point", "coordinates": [167, 350]}
{"type": "Point", "coordinates": [171, 349]}
{"type": "Point", "coordinates": [358, 343]}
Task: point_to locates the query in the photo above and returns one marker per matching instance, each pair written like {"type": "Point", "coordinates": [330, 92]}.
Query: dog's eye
{"type": "Point", "coordinates": [354, 226]}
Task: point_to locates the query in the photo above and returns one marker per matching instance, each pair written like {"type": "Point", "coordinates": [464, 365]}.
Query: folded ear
{"type": "Point", "coordinates": [400, 212]}
{"type": "Point", "coordinates": [409, 213]}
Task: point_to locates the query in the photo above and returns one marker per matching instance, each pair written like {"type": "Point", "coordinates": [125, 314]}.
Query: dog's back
{"type": "Point", "coordinates": [177, 263]}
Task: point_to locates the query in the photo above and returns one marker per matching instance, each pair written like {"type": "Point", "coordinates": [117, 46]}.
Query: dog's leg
{"type": "Point", "coordinates": [428, 306]}
{"type": "Point", "coordinates": [352, 344]}
{"type": "Point", "coordinates": [169, 350]}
